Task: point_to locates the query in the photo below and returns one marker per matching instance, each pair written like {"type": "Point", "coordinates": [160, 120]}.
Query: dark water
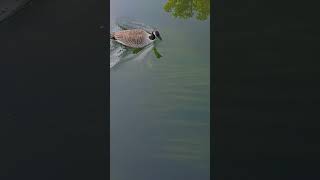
{"type": "Point", "coordinates": [9, 8]}
{"type": "Point", "coordinates": [160, 106]}
{"type": "Point", "coordinates": [53, 89]}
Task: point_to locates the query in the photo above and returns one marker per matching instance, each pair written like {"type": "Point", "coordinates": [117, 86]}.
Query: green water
{"type": "Point", "coordinates": [160, 107]}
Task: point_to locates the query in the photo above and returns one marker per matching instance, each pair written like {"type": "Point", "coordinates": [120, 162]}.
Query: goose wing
{"type": "Point", "coordinates": [133, 38]}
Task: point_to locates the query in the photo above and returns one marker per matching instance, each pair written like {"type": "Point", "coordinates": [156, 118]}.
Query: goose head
{"type": "Point", "coordinates": [155, 34]}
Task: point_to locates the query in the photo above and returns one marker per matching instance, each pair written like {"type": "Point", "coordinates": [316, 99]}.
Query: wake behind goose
{"type": "Point", "coordinates": [126, 23]}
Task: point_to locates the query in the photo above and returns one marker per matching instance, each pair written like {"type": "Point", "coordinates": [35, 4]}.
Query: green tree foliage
{"type": "Point", "coordinates": [188, 8]}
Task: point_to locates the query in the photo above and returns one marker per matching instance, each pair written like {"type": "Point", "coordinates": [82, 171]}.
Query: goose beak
{"type": "Point", "coordinates": [160, 37]}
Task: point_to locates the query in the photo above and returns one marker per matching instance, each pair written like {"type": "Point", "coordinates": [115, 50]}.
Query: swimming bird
{"type": "Point", "coordinates": [135, 38]}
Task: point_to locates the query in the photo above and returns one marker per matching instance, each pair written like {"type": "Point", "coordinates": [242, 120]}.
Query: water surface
{"type": "Point", "coordinates": [160, 106]}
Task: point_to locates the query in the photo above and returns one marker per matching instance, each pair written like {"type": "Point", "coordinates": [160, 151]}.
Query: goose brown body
{"type": "Point", "coordinates": [135, 38]}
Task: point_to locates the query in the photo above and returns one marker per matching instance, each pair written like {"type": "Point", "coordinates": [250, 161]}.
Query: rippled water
{"type": "Point", "coordinates": [160, 107]}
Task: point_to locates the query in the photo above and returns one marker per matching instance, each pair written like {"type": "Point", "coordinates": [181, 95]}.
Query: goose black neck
{"type": "Point", "coordinates": [152, 37]}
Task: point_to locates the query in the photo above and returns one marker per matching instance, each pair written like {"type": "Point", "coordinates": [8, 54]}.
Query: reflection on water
{"type": "Point", "coordinates": [187, 8]}
{"type": "Point", "coordinates": [120, 53]}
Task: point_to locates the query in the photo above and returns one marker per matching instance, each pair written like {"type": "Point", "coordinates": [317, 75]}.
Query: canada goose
{"type": "Point", "coordinates": [135, 38]}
